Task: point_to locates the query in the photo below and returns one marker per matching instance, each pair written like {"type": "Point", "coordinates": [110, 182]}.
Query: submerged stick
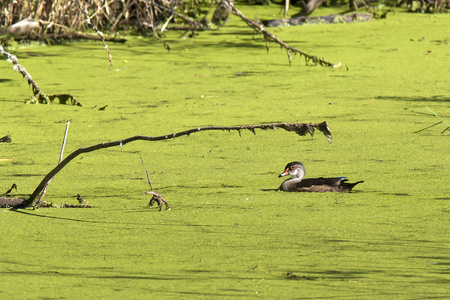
{"type": "Point", "coordinates": [63, 146]}
{"type": "Point", "coordinates": [299, 128]}
{"type": "Point", "coordinates": [156, 197]}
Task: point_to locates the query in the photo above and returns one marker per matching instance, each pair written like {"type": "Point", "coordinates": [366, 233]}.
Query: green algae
{"type": "Point", "coordinates": [228, 234]}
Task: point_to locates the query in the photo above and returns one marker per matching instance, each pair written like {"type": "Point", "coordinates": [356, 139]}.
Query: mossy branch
{"type": "Point", "coordinates": [299, 128]}
{"type": "Point", "coordinates": [99, 33]}
{"type": "Point", "coordinates": [18, 68]}
{"type": "Point", "coordinates": [259, 27]}
{"type": "Point", "coordinates": [38, 95]}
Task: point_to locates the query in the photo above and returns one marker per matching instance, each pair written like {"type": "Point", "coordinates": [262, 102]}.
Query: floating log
{"type": "Point", "coordinates": [330, 19]}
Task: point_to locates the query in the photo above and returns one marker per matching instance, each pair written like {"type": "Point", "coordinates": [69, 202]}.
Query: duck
{"type": "Point", "coordinates": [297, 184]}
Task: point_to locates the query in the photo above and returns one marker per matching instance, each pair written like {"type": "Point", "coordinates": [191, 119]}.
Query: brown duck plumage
{"type": "Point", "coordinates": [297, 184]}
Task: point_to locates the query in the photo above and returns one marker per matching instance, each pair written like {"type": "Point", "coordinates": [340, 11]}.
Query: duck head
{"type": "Point", "coordinates": [296, 169]}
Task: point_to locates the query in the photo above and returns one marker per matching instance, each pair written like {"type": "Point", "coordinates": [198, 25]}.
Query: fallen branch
{"type": "Point", "coordinates": [18, 68]}
{"type": "Point", "coordinates": [74, 36]}
{"type": "Point", "coordinates": [23, 27]}
{"type": "Point", "coordinates": [99, 33]}
{"type": "Point", "coordinates": [259, 27]}
{"type": "Point", "coordinates": [39, 95]}
{"type": "Point", "coordinates": [8, 202]}
{"type": "Point", "coordinates": [299, 128]}
{"type": "Point", "coordinates": [329, 19]}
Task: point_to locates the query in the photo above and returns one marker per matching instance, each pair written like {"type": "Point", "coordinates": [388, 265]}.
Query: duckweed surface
{"type": "Point", "coordinates": [229, 234]}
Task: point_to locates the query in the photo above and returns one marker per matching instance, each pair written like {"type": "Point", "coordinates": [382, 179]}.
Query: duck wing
{"type": "Point", "coordinates": [320, 185]}
{"type": "Point", "coordinates": [308, 182]}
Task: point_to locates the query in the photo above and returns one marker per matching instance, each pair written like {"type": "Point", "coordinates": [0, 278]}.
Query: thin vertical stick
{"type": "Point", "coordinates": [156, 197]}
{"type": "Point", "coordinates": [286, 7]}
{"type": "Point", "coordinates": [60, 159]}
{"type": "Point", "coordinates": [64, 143]}
{"type": "Point", "coordinates": [146, 174]}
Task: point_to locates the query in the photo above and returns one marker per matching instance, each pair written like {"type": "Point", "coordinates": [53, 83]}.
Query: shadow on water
{"type": "Point", "coordinates": [394, 194]}
{"type": "Point", "coordinates": [236, 44]}
{"type": "Point", "coordinates": [233, 33]}
{"type": "Point", "coordinates": [60, 218]}
{"type": "Point", "coordinates": [111, 274]}
{"type": "Point", "coordinates": [341, 275]}
{"type": "Point", "coordinates": [436, 98]}
{"type": "Point", "coordinates": [144, 210]}
{"type": "Point", "coordinates": [10, 100]}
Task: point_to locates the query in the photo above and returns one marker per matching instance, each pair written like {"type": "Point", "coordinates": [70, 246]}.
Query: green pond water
{"type": "Point", "coordinates": [228, 235]}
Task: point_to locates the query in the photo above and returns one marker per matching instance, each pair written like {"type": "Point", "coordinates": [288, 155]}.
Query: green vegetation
{"type": "Point", "coordinates": [227, 233]}
{"type": "Point", "coordinates": [435, 124]}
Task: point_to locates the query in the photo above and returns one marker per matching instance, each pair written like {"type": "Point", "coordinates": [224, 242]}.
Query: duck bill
{"type": "Point", "coordinates": [285, 173]}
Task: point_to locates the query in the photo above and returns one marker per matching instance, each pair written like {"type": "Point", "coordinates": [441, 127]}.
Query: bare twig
{"type": "Point", "coordinates": [314, 60]}
{"type": "Point", "coordinates": [63, 146]}
{"type": "Point", "coordinates": [299, 128]}
{"type": "Point", "coordinates": [9, 192]}
{"type": "Point", "coordinates": [146, 174]}
{"type": "Point", "coordinates": [100, 34]}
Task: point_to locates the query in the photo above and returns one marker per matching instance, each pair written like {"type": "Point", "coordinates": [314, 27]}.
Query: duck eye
{"type": "Point", "coordinates": [292, 167]}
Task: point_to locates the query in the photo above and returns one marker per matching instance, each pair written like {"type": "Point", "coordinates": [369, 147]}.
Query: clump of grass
{"type": "Point", "coordinates": [435, 124]}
